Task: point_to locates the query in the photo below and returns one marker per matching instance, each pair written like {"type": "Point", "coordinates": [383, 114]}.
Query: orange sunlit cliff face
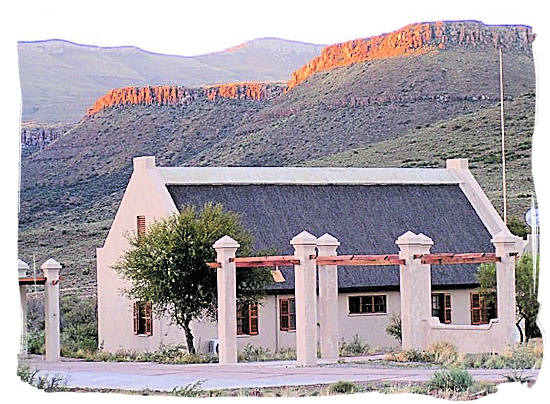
{"type": "Point", "coordinates": [415, 39]}
{"type": "Point", "coordinates": [177, 95]}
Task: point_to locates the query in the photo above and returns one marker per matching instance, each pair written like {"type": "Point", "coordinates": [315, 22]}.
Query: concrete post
{"type": "Point", "coordinates": [22, 268]}
{"type": "Point", "coordinates": [328, 298]}
{"type": "Point", "coordinates": [415, 289]}
{"type": "Point", "coordinates": [305, 284]}
{"type": "Point", "coordinates": [505, 248]}
{"type": "Point", "coordinates": [226, 248]}
{"type": "Point", "coordinates": [51, 270]}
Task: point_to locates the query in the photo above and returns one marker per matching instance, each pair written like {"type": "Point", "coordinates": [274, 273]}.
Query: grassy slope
{"type": "Point", "coordinates": [474, 136]}
{"type": "Point", "coordinates": [71, 189]}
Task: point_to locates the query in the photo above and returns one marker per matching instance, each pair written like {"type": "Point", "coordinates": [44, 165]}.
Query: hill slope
{"type": "Point", "coordinates": [60, 79]}
{"type": "Point", "coordinates": [70, 190]}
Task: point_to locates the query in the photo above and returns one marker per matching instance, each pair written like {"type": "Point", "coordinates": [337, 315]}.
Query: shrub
{"type": "Point", "coordinates": [35, 342]}
{"type": "Point", "coordinates": [456, 380]}
{"type": "Point", "coordinates": [354, 348]}
{"type": "Point", "coordinates": [342, 387]}
{"type": "Point", "coordinates": [394, 327]}
{"type": "Point", "coordinates": [442, 353]}
{"type": "Point", "coordinates": [42, 382]}
{"type": "Point", "coordinates": [251, 353]}
{"type": "Point", "coordinates": [189, 390]}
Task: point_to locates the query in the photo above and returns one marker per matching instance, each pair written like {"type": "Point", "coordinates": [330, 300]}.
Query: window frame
{"type": "Point", "coordinates": [366, 302]}
{"type": "Point", "coordinates": [484, 312]}
{"type": "Point", "coordinates": [444, 307]}
{"type": "Point", "coordinates": [247, 319]}
{"type": "Point", "coordinates": [143, 318]}
{"type": "Point", "coordinates": [289, 302]}
{"type": "Point", "coordinates": [140, 225]}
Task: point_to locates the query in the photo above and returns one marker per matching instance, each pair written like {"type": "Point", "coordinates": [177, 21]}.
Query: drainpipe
{"type": "Point", "coordinates": [276, 323]}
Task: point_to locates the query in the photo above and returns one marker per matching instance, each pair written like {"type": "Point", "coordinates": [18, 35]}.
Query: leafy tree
{"type": "Point", "coordinates": [166, 265]}
{"type": "Point", "coordinates": [526, 292]}
{"type": "Point", "coordinates": [517, 226]}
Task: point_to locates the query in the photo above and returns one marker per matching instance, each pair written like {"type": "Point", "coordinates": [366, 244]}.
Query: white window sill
{"type": "Point", "coordinates": [366, 314]}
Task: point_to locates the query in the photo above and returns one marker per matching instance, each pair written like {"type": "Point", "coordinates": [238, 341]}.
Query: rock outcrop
{"type": "Point", "coordinates": [36, 136]}
{"type": "Point", "coordinates": [418, 39]}
{"type": "Point", "coordinates": [181, 96]}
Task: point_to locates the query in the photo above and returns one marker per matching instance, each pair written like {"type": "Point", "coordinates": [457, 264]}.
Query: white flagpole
{"type": "Point", "coordinates": [502, 139]}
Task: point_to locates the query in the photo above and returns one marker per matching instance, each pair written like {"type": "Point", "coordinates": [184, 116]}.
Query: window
{"type": "Point", "coordinates": [287, 309]}
{"type": "Point", "coordinates": [482, 309]}
{"type": "Point", "coordinates": [367, 304]}
{"type": "Point", "coordinates": [441, 307]}
{"type": "Point", "coordinates": [143, 318]}
{"type": "Point", "coordinates": [140, 226]}
{"type": "Point", "coordinates": [247, 319]}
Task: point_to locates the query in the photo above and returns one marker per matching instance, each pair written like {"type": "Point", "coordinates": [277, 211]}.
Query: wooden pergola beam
{"type": "Point", "coordinates": [266, 261]}
{"type": "Point", "coordinates": [361, 260]}
{"type": "Point", "coordinates": [462, 258]}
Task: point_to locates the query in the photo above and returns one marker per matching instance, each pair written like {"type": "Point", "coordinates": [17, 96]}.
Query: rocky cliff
{"type": "Point", "coordinates": [181, 96]}
{"type": "Point", "coordinates": [417, 39]}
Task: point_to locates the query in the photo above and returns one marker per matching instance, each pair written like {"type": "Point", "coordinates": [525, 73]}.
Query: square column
{"type": "Point", "coordinates": [226, 249]}
{"type": "Point", "coordinates": [328, 298]}
{"type": "Point", "coordinates": [305, 284]}
{"type": "Point", "coordinates": [22, 268]}
{"type": "Point", "coordinates": [505, 248]}
{"type": "Point", "coordinates": [51, 270]}
{"type": "Point", "coordinates": [415, 288]}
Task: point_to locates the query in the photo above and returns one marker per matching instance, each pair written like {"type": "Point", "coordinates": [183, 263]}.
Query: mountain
{"type": "Point", "coordinates": [412, 108]}
{"type": "Point", "coordinates": [60, 79]}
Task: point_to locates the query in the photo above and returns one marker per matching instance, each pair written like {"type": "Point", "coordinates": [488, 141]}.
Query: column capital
{"type": "Point", "coordinates": [304, 238]}
{"type": "Point", "coordinates": [22, 268]}
{"type": "Point", "coordinates": [50, 264]}
{"type": "Point", "coordinates": [326, 240]}
{"type": "Point", "coordinates": [226, 242]}
{"type": "Point", "coordinates": [409, 238]}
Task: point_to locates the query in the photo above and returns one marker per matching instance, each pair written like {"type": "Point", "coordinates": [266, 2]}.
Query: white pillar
{"type": "Point", "coordinates": [415, 289]}
{"type": "Point", "coordinates": [51, 270]}
{"type": "Point", "coordinates": [505, 248]}
{"type": "Point", "coordinates": [328, 298]}
{"type": "Point", "coordinates": [22, 268]}
{"type": "Point", "coordinates": [226, 248]}
{"type": "Point", "coordinates": [305, 284]}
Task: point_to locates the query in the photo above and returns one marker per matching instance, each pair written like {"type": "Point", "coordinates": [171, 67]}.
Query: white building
{"type": "Point", "coordinates": [366, 209]}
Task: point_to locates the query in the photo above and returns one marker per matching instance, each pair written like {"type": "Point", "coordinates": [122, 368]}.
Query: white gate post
{"type": "Point", "coordinates": [51, 270]}
{"type": "Point", "coordinates": [305, 284]}
{"type": "Point", "coordinates": [505, 249]}
{"type": "Point", "coordinates": [226, 249]}
{"type": "Point", "coordinates": [328, 298]}
{"type": "Point", "coordinates": [22, 268]}
{"type": "Point", "coordinates": [415, 288]}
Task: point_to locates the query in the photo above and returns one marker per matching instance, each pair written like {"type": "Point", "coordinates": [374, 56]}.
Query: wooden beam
{"type": "Point", "coordinates": [32, 281]}
{"type": "Point", "coordinates": [462, 258]}
{"type": "Point", "coordinates": [267, 261]}
{"type": "Point", "coordinates": [214, 265]}
{"type": "Point", "coordinates": [362, 260]}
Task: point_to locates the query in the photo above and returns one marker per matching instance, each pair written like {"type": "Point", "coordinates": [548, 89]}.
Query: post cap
{"type": "Point", "coordinates": [226, 242]}
{"type": "Point", "coordinates": [504, 237]}
{"type": "Point", "coordinates": [456, 164]}
{"type": "Point", "coordinates": [50, 264]}
{"type": "Point", "coordinates": [22, 265]}
{"type": "Point", "coordinates": [417, 239]}
{"type": "Point", "coordinates": [327, 240]}
{"type": "Point", "coordinates": [144, 162]}
{"type": "Point", "coordinates": [304, 238]}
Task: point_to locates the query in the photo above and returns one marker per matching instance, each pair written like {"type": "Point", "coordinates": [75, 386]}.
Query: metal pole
{"type": "Point", "coordinates": [502, 138]}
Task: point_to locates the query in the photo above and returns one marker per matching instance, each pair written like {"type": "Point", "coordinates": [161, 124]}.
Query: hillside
{"type": "Point", "coordinates": [71, 189]}
{"type": "Point", "coordinates": [61, 79]}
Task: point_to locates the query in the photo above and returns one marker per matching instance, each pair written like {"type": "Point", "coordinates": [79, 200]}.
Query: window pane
{"type": "Point", "coordinates": [354, 305]}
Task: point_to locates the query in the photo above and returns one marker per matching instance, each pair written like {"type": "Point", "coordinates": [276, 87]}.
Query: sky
{"type": "Point", "coordinates": [197, 27]}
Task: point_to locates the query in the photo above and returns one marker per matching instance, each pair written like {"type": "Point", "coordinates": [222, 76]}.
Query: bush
{"type": "Point", "coordinates": [42, 382]}
{"type": "Point", "coordinates": [189, 390]}
{"type": "Point", "coordinates": [442, 353]}
{"type": "Point", "coordinates": [342, 387]}
{"type": "Point", "coordinates": [394, 327]}
{"type": "Point", "coordinates": [456, 380]}
{"type": "Point", "coordinates": [354, 348]}
{"type": "Point", "coordinates": [251, 353]}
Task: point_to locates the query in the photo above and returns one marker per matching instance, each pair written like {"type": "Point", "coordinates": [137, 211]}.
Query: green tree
{"type": "Point", "coordinates": [527, 304]}
{"type": "Point", "coordinates": [517, 226]}
{"type": "Point", "coordinates": [167, 265]}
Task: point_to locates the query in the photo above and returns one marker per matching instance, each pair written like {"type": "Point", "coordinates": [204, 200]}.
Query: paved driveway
{"type": "Point", "coordinates": [163, 377]}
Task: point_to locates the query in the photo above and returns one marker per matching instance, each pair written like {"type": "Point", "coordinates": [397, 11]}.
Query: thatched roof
{"type": "Point", "coordinates": [366, 219]}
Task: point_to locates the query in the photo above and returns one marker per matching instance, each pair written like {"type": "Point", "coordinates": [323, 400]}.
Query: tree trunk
{"type": "Point", "coordinates": [518, 326]}
{"type": "Point", "coordinates": [188, 336]}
